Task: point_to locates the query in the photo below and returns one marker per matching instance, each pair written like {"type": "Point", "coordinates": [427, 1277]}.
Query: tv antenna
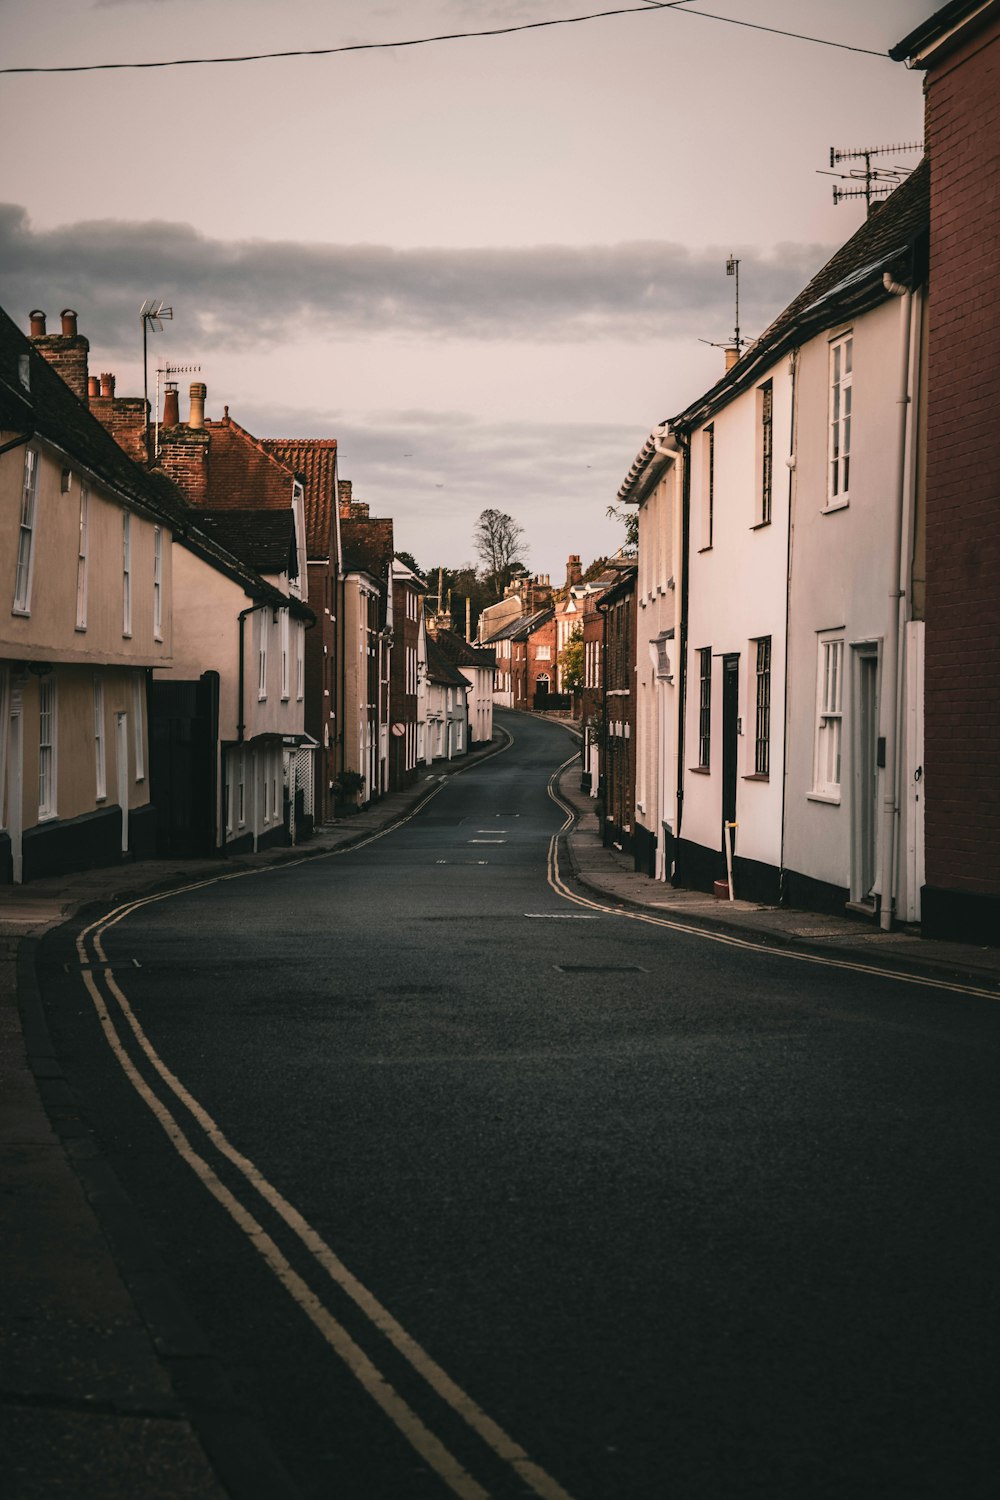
{"type": "Point", "coordinates": [168, 371]}
{"type": "Point", "coordinates": [152, 314]}
{"type": "Point", "coordinates": [870, 182]}
{"type": "Point", "coordinates": [736, 342]}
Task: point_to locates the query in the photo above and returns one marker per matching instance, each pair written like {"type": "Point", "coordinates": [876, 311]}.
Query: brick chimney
{"type": "Point", "coordinates": [66, 352]}
{"type": "Point", "coordinates": [124, 417]}
{"type": "Point", "coordinates": [574, 572]}
{"type": "Point", "coordinates": [344, 492]}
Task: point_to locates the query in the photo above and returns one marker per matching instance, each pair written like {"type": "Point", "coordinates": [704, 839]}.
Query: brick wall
{"type": "Point", "coordinates": [184, 457]}
{"type": "Point", "coordinates": [68, 356]}
{"type": "Point", "coordinates": [125, 418]}
{"type": "Point", "coordinates": [962, 706]}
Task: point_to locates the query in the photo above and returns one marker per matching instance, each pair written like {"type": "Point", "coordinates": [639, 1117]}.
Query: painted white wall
{"type": "Point", "coordinates": [658, 587]}
{"type": "Point", "coordinates": [736, 596]}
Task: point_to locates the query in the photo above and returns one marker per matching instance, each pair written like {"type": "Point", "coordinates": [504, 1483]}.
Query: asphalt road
{"type": "Point", "coordinates": [478, 1191]}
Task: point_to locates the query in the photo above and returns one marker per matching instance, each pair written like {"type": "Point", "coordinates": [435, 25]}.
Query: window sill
{"type": "Point", "coordinates": [80, 629]}
{"type": "Point", "coordinates": [47, 817]}
{"type": "Point", "coordinates": [24, 614]}
{"type": "Point", "coordinates": [757, 776]}
{"type": "Point", "coordinates": [705, 549]}
{"type": "Point", "coordinates": [101, 799]}
{"type": "Point", "coordinates": [835, 505]}
{"type": "Point", "coordinates": [126, 635]}
{"type": "Point", "coordinates": [822, 797]}
{"type": "Point", "coordinates": [759, 525]}
{"type": "Point", "coordinates": [158, 637]}
{"type": "Point", "coordinates": [700, 770]}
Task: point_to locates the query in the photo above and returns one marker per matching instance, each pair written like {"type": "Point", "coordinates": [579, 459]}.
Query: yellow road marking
{"type": "Point", "coordinates": [444, 1464]}
{"type": "Point", "coordinates": [557, 883]}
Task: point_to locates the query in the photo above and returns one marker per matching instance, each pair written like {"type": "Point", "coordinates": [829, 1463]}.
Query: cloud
{"type": "Point", "coordinates": [253, 293]}
{"type": "Point", "coordinates": [434, 471]}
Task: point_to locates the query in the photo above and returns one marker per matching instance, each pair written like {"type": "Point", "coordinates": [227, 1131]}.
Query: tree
{"type": "Point", "coordinates": [630, 520]}
{"type": "Point", "coordinates": [497, 538]}
{"type": "Point", "coordinates": [409, 561]}
{"type": "Point", "coordinates": [571, 662]}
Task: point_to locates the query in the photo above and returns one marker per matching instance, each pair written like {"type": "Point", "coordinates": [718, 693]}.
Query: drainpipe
{"type": "Point", "coordinates": [891, 673]}
{"type": "Point", "coordinates": [786, 716]}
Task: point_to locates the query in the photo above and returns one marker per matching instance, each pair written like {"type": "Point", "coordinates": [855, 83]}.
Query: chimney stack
{"type": "Point", "coordinates": [171, 405]}
{"type": "Point", "coordinates": [93, 387]}
{"type": "Point", "coordinates": [67, 352]}
{"type": "Point", "coordinates": [68, 317]}
{"type": "Point", "coordinates": [37, 323]}
{"type": "Point", "coordinates": [199, 390]}
{"type": "Point", "coordinates": [107, 383]}
{"type": "Point", "coordinates": [574, 571]}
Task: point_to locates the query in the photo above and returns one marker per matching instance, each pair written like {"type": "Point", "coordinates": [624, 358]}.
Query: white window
{"type": "Point", "coordinates": [829, 717]}
{"type": "Point", "coordinates": [261, 654]}
{"type": "Point", "coordinates": [26, 535]}
{"type": "Point", "coordinates": [300, 660]}
{"type": "Point", "coordinates": [241, 789]}
{"type": "Point", "coordinates": [841, 378]}
{"type": "Point", "coordinates": [765, 451]}
{"type": "Point", "coordinates": [83, 548]}
{"type": "Point", "coordinates": [126, 573]}
{"type": "Point", "coordinates": [543, 653]}
{"type": "Point", "coordinates": [138, 722]}
{"type": "Point", "coordinates": [3, 746]}
{"type": "Point", "coordinates": [158, 583]}
{"type": "Point", "coordinates": [283, 617]}
{"type": "Point", "coordinates": [46, 748]}
{"type": "Point", "coordinates": [100, 752]}
{"type": "Point", "coordinates": [708, 486]}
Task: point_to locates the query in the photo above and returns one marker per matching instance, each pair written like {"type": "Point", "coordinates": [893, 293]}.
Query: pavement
{"type": "Point", "coordinates": [108, 1389]}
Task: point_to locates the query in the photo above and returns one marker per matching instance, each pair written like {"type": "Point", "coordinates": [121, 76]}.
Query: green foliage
{"type": "Point", "coordinates": [571, 661]}
{"type": "Point", "coordinates": [630, 520]}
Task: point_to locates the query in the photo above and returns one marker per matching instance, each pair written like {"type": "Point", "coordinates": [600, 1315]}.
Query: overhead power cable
{"type": "Point", "coordinates": [454, 36]}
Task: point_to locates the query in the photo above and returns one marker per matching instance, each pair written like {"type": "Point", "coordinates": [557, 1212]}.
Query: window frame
{"type": "Point", "coordinates": [138, 723]}
{"type": "Point", "coordinates": [839, 420]}
{"type": "Point", "coordinates": [708, 487]}
{"type": "Point", "coordinates": [158, 583]}
{"type": "Point", "coordinates": [83, 559]}
{"type": "Point", "coordinates": [762, 708]}
{"type": "Point", "coordinates": [100, 741]}
{"type": "Point", "coordinates": [24, 568]}
{"type": "Point", "coordinates": [704, 708]}
{"type": "Point", "coordinates": [262, 635]}
{"type": "Point", "coordinates": [48, 749]}
{"type": "Point", "coordinates": [127, 574]}
{"type": "Point", "coordinates": [283, 626]}
{"type": "Point", "coordinates": [765, 452]}
{"type": "Point", "coordinates": [828, 753]}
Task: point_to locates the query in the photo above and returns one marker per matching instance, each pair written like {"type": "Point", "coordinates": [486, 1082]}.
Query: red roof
{"type": "Point", "coordinates": [314, 460]}
{"type": "Point", "coordinates": [242, 473]}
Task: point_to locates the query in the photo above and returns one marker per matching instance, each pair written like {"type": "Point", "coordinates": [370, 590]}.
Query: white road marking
{"type": "Point", "coordinates": [563, 916]}
{"type": "Point", "coordinates": [487, 841]}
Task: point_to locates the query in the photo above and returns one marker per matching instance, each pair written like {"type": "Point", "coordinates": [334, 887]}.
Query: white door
{"type": "Point", "coordinates": [913, 772]}
{"type": "Point", "coordinates": [121, 759]}
{"type": "Point", "coordinates": [15, 804]}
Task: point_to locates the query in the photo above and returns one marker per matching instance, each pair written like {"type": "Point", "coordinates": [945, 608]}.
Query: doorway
{"type": "Point", "coordinates": [121, 760]}
{"type": "Point", "coordinates": [15, 782]}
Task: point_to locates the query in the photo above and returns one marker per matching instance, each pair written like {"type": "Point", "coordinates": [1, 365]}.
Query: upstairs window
{"type": "Point", "coordinates": [708, 486]}
{"type": "Point", "coordinates": [765, 451]}
{"type": "Point", "coordinates": [841, 379]}
{"type": "Point", "coordinates": [300, 662]}
{"type": "Point", "coordinates": [26, 535]}
{"type": "Point", "coordinates": [261, 654]}
{"type": "Point", "coordinates": [82, 553]}
{"type": "Point", "coordinates": [284, 653]}
{"type": "Point", "coordinates": [100, 753]}
{"type": "Point", "coordinates": [126, 574]}
{"type": "Point", "coordinates": [158, 583]}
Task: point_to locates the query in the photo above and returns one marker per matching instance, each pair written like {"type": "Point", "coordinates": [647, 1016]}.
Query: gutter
{"type": "Point", "coordinates": [17, 442]}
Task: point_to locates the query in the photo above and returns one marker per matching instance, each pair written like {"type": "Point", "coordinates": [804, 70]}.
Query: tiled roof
{"type": "Point", "coordinates": [450, 644]}
{"type": "Point", "coordinates": [440, 669]}
{"type": "Point", "coordinates": [367, 547]}
{"type": "Point", "coordinates": [49, 408]}
{"type": "Point", "coordinates": [241, 472]}
{"type": "Point", "coordinates": [525, 625]}
{"type": "Point", "coordinates": [265, 539]}
{"type": "Point", "coordinates": [314, 460]}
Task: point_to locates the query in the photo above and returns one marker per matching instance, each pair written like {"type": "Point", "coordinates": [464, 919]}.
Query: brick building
{"type": "Point", "coordinates": [958, 48]}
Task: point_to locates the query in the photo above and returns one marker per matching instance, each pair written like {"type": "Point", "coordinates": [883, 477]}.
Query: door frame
{"type": "Point", "coordinates": [866, 778]}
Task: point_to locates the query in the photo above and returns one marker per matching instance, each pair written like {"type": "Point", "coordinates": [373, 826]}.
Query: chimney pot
{"type": "Point", "coordinates": [68, 317]}
{"type": "Point", "coordinates": [171, 405]}
{"type": "Point", "coordinates": [93, 386]}
{"type": "Point", "coordinates": [37, 323]}
{"type": "Point", "coordinates": [107, 383]}
{"type": "Point", "coordinates": [199, 390]}
{"type": "Point", "coordinates": [732, 355]}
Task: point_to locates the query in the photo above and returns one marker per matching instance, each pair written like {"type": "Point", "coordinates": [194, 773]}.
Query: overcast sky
{"type": "Point", "coordinates": [484, 265]}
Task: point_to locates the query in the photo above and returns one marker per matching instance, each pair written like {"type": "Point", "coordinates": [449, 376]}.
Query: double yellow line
{"type": "Point", "coordinates": [558, 884]}
{"type": "Point", "coordinates": [114, 1014]}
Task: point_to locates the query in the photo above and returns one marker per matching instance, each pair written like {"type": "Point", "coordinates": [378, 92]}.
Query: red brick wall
{"type": "Point", "coordinates": [545, 635]}
{"type": "Point", "coordinates": [67, 354]}
{"type": "Point", "coordinates": [184, 457]}
{"type": "Point", "coordinates": [962, 705]}
{"type": "Point", "coordinates": [125, 418]}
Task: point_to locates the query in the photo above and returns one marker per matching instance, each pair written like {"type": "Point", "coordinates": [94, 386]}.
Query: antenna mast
{"type": "Point", "coordinates": [873, 182]}
{"type": "Point", "coordinates": [733, 269]}
{"type": "Point", "coordinates": [151, 316]}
